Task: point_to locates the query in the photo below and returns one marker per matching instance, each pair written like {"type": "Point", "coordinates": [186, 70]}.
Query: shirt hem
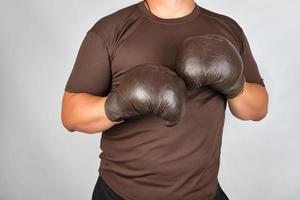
{"type": "Point", "coordinates": [107, 181]}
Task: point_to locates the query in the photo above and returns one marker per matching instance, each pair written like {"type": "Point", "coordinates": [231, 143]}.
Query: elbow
{"type": "Point", "coordinates": [257, 116]}
{"type": "Point", "coordinates": [67, 123]}
{"type": "Point", "coordinates": [261, 115]}
{"type": "Point", "coordinates": [263, 111]}
{"type": "Point", "coordinates": [69, 127]}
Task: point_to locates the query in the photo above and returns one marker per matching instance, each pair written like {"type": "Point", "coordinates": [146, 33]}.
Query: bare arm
{"type": "Point", "coordinates": [85, 113]}
{"type": "Point", "coordinates": [252, 104]}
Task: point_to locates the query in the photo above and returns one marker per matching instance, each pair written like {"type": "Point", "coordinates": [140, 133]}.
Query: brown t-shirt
{"type": "Point", "coordinates": [141, 158]}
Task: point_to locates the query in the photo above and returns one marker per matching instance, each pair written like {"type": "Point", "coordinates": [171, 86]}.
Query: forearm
{"type": "Point", "coordinates": [85, 113]}
{"type": "Point", "coordinates": [252, 104]}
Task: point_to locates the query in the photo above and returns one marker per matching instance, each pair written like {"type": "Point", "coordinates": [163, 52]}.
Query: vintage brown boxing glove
{"type": "Point", "coordinates": [148, 89]}
{"type": "Point", "coordinates": [211, 60]}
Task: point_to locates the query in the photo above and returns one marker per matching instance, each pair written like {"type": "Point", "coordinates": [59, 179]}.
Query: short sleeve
{"type": "Point", "coordinates": [251, 71]}
{"type": "Point", "coordinates": [91, 71]}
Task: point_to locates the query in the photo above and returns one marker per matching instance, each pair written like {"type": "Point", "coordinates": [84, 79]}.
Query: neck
{"type": "Point", "coordinates": [168, 9]}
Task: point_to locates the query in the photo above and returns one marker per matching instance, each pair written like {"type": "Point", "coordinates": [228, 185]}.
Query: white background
{"type": "Point", "coordinates": [41, 160]}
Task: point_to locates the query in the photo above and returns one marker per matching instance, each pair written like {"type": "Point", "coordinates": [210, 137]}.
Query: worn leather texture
{"type": "Point", "coordinates": [148, 89]}
{"type": "Point", "coordinates": [211, 60]}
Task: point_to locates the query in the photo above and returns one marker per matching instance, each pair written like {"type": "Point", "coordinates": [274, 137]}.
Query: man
{"type": "Point", "coordinates": [143, 158]}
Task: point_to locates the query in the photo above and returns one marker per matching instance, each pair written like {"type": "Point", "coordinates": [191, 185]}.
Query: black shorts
{"type": "Point", "coordinates": [103, 192]}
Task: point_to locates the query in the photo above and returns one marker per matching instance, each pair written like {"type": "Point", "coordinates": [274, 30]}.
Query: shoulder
{"type": "Point", "coordinates": [225, 21]}
{"type": "Point", "coordinates": [111, 23]}
{"type": "Point", "coordinates": [221, 18]}
{"type": "Point", "coordinates": [224, 25]}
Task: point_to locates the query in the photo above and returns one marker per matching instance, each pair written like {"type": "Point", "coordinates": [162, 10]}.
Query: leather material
{"type": "Point", "coordinates": [148, 89]}
{"type": "Point", "coordinates": [211, 60]}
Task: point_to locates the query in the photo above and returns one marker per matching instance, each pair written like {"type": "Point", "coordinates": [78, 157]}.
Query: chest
{"type": "Point", "coordinates": [151, 43]}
